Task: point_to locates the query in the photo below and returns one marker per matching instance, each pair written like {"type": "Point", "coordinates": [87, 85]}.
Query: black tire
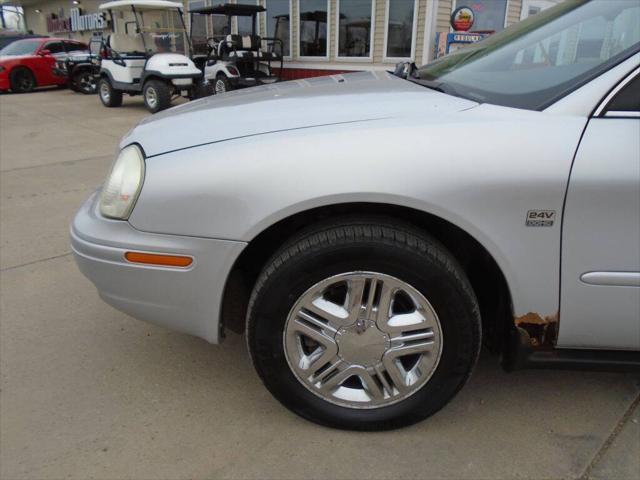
{"type": "Point", "coordinates": [84, 82]}
{"type": "Point", "coordinates": [379, 245]}
{"type": "Point", "coordinates": [202, 90]}
{"type": "Point", "coordinates": [22, 80]}
{"type": "Point", "coordinates": [157, 95]}
{"type": "Point", "coordinates": [109, 96]}
{"type": "Point", "coordinates": [222, 84]}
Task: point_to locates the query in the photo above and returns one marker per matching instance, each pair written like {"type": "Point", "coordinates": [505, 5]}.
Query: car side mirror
{"type": "Point", "coordinates": [44, 53]}
{"type": "Point", "coordinates": [211, 61]}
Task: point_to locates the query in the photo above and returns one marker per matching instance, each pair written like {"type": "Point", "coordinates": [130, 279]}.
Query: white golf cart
{"type": "Point", "coordinates": [147, 54]}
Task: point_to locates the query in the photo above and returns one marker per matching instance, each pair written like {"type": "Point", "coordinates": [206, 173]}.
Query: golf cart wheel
{"type": "Point", "coordinates": [84, 82]}
{"type": "Point", "coordinates": [222, 84]}
{"type": "Point", "coordinates": [363, 324]}
{"type": "Point", "coordinates": [157, 95]}
{"type": "Point", "coordinates": [22, 80]}
{"type": "Point", "coordinates": [108, 95]}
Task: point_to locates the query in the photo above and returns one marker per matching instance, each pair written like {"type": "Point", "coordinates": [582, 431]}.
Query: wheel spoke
{"type": "Point", "coordinates": [396, 372]}
{"type": "Point", "coordinates": [383, 312]}
{"type": "Point", "coordinates": [384, 380]}
{"type": "Point", "coordinates": [402, 348]}
{"type": "Point", "coordinates": [333, 315]}
{"type": "Point", "coordinates": [316, 335]}
{"type": "Point", "coordinates": [311, 318]}
{"type": "Point", "coordinates": [355, 294]}
{"type": "Point", "coordinates": [336, 380]}
{"type": "Point", "coordinates": [374, 389]}
{"type": "Point", "coordinates": [317, 378]}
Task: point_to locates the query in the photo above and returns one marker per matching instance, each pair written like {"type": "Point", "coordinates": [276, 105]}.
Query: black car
{"type": "Point", "coordinates": [82, 68]}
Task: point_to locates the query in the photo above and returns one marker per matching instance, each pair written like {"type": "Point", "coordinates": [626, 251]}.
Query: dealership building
{"type": "Point", "coordinates": [318, 36]}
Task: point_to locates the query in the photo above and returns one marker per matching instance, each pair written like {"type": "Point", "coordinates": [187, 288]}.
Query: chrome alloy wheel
{"type": "Point", "coordinates": [87, 83]}
{"type": "Point", "coordinates": [151, 97]}
{"type": "Point", "coordinates": [105, 92]}
{"type": "Point", "coordinates": [220, 86]}
{"type": "Point", "coordinates": [362, 340]}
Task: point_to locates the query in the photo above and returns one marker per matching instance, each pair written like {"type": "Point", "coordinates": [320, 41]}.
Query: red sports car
{"type": "Point", "coordinates": [30, 63]}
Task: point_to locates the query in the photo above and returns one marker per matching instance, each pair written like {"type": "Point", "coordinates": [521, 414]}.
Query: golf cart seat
{"type": "Point", "coordinates": [246, 47]}
{"type": "Point", "coordinates": [241, 46]}
{"type": "Point", "coordinates": [127, 44]}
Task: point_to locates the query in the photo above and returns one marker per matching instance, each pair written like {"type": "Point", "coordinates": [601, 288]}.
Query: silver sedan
{"type": "Point", "coordinates": [370, 231]}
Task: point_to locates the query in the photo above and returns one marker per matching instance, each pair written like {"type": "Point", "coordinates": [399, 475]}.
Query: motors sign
{"type": "Point", "coordinates": [77, 22]}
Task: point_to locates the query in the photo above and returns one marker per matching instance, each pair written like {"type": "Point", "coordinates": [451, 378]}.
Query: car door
{"type": "Point", "coordinates": [600, 284]}
{"type": "Point", "coordinates": [46, 63]}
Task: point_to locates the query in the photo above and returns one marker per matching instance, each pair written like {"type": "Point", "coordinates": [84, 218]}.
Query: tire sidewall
{"type": "Point", "coordinates": [163, 95]}
{"type": "Point", "coordinates": [101, 82]}
{"type": "Point", "coordinates": [455, 309]}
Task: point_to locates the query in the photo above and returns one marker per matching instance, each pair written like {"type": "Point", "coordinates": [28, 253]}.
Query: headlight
{"type": "Point", "coordinates": [123, 185]}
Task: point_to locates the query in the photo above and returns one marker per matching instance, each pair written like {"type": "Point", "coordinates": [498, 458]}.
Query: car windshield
{"type": "Point", "coordinates": [534, 63]}
{"type": "Point", "coordinates": [164, 31]}
{"type": "Point", "coordinates": [21, 47]}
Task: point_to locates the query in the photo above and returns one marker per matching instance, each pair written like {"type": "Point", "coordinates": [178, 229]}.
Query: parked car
{"type": "Point", "coordinates": [83, 68]}
{"type": "Point", "coordinates": [30, 63]}
{"type": "Point", "coordinates": [12, 37]}
{"type": "Point", "coordinates": [368, 231]}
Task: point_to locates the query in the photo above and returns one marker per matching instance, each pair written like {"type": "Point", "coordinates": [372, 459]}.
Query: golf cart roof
{"type": "Point", "coordinates": [230, 10]}
{"type": "Point", "coordinates": [140, 5]}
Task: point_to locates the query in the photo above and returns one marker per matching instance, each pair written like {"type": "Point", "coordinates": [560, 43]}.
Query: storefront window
{"type": "Point", "coordinates": [198, 28]}
{"type": "Point", "coordinates": [278, 23]}
{"type": "Point", "coordinates": [313, 27]}
{"type": "Point", "coordinates": [354, 28]}
{"type": "Point", "coordinates": [400, 28]}
{"type": "Point", "coordinates": [488, 14]}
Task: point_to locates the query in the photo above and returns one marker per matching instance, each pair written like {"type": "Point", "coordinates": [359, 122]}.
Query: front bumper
{"type": "Point", "coordinates": [188, 300]}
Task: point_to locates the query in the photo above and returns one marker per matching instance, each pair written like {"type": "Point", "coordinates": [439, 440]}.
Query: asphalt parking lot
{"type": "Point", "coordinates": [88, 392]}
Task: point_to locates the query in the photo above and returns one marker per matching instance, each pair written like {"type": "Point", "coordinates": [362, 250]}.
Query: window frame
{"type": "Point", "coordinates": [299, 25]}
{"type": "Point", "coordinates": [79, 46]}
{"type": "Point", "coordinates": [601, 110]}
{"type": "Point", "coordinates": [234, 22]}
{"type": "Point", "coordinates": [414, 35]}
{"type": "Point", "coordinates": [45, 46]}
{"type": "Point", "coordinates": [372, 37]}
{"type": "Point", "coordinates": [263, 16]}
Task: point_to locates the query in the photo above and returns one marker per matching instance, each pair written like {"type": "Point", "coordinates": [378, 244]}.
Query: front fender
{"type": "Point", "coordinates": [481, 170]}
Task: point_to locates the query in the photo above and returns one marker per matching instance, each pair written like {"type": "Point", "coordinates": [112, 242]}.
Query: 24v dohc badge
{"type": "Point", "coordinates": [540, 218]}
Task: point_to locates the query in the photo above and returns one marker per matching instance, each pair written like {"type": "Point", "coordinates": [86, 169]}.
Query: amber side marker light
{"type": "Point", "coordinates": [158, 259]}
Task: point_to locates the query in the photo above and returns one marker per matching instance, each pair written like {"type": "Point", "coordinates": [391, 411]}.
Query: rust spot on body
{"type": "Point", "coordinates": [542, 331]}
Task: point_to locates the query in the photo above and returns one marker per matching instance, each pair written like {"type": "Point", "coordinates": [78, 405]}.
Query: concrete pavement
{"type": "Point", "coordinates": [87, 392]}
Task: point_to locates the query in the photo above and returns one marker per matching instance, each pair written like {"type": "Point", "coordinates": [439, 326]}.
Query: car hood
{"type": "Point", "coordinates": [13, 58]}
{"type": "Point", "coordinates": [309, 103]}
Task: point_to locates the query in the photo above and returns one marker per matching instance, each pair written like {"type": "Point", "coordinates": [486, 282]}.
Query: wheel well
{"type": "Point", "coordinates": [486, 278]}
{"type": "Point", "coordinates": [155, 77]}
{"type": "Point", "coordinates": [22, 67]}
{"type": "Point", "coordinates": [81, 68]}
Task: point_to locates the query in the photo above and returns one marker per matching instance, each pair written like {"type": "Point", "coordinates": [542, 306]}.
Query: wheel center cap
{"type": "Point", "coordinates": [362, 344]}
